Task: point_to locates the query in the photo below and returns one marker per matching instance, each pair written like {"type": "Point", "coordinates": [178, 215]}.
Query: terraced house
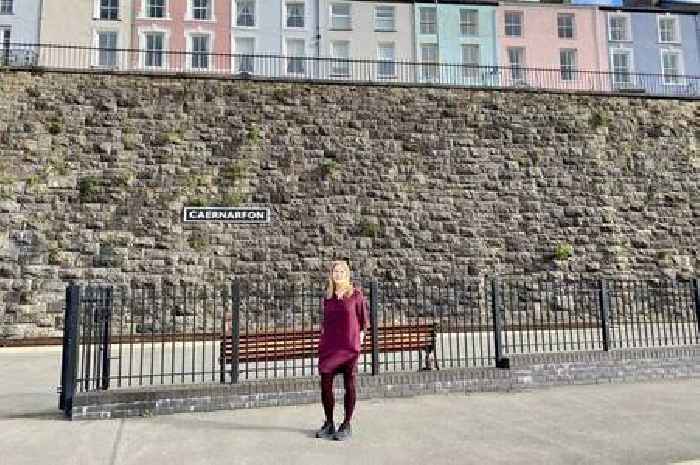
{"type": "Point", "coordinates": [103, 24]}
{"type": "Point", "coordinates": [461, 34]}
{"type": "Point", "coordinates": [273, 28]}
{"type": "Point", "coordinates": [182, 34]}
{"type": "Point", "coordinates": [660, 41]}
{"type": "Point", "coordinates": [559, 43]}
{"type": "Point", "coordinates": [366, 30]}
{"type": "Point", "coordinates": [19, 23]}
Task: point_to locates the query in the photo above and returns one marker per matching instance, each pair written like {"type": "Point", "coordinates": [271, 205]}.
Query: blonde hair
{"type": "Point", "coordinates": [345, 285]}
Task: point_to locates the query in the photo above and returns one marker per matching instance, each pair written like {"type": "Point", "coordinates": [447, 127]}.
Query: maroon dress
{"type": "Point", "coordinates": [343, 319]}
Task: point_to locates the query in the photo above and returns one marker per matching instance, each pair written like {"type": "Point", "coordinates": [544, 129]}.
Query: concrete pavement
{"type": "Point", "coordinates": [649, 423]}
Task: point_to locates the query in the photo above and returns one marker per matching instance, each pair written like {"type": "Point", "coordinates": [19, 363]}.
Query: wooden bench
{"type": "Point", "coordinates": [298, 344]}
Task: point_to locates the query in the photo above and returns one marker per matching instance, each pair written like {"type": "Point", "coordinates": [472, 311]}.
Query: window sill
{"type": "Point", "coordinates": [300, 29]}
{"type": "Point", "coordinates": [669, 43]}
{"type": "Point", "coordinates": [340, 29]}
{"type": "Point", "coordinates": [194, 20]}
{"type": "Point", "coordinates": [107, 20]}
{"type": "Point", "coordinates": [148, 18]}
{"type": "Point", "coordinates": [625, 41]}
{"type": "Point", "coordinates": [385, 30]}
{"type": "Point", "coordinates": [245, 28]}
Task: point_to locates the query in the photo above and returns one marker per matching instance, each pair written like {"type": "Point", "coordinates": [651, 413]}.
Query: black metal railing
{"type": "Point", "coordinates": [269, 66]}
{"type": "Point", "coordinates": [124, 337]}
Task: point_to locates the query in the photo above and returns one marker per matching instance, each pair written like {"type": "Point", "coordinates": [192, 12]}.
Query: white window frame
{"type": "Point", "coordinates": [189, 42]}
{"type": "Point", "coordinates": [628, 27]}
{"type": "Point", "coordinates": [676, 28]}
{"type": "Point", "coordinates": [97, 10]}
{"type": "Point", "coordinates": [236, 62]}
{"type": "Point", "coordinates": [142, 46]}
{"type": "Point", "coordinates": [573, 25]}
{"type": "Point", "coordinates": [517, 13]}
{"type": "Point", "coordinates": [343, 69]}
{"type": "Point", "coordinates": [430, 72]}
{"type": "Point", "coordinates": [573, 69]}
{"type": "Point", "coordinates": [471, 71]}
{"type": "Point", "coordinates": [12, 9]}
{"type": "Point", "coordinates": [518, 74]}
{"type": "Point", "coordinates": [285, 16]}
{"type": "Point", "coordinates": [189, 15]}
{"type": "Point", "coordinates": [420, 20]}
{"type": "Point", "coordinates": [629, 52]}
{"type": "Point", "coordinates": [286, 54]}
{"type": "Point", "coordinates": [144, 10]}
{"type": "Point", "coordinates": [381, 60]}
{"type": "Point", "coordinates": [96, 45]}
{"type": "Point", "coordinates": [461, 23]}
{"type": "Point", "coordinates": [676, 51]}
{"type": "Point", "coordinates": [234, 15]}
{"type": "Point", "coordinates": [332, 17]}
{"type": "Point", "coordinates": [377, 26]}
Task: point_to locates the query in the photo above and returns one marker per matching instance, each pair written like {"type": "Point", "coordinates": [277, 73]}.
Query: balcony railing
{"type": "Point", "coordinates": [266, 66]}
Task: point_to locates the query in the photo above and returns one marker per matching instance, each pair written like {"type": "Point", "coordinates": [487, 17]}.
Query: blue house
{"type": "Point", "coordinates": [653, 49]}
{"type": "Point", "coordinates": [461, 36]}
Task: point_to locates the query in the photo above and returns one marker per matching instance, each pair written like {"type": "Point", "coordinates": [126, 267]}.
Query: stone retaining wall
{"type": "Point", "coordinates": [406, 182]}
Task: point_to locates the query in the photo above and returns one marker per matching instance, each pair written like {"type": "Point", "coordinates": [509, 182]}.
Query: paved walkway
{"type": "Point", "coordinates": [650, 423]}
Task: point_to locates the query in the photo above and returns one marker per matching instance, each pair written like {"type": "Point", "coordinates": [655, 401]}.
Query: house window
{"type": "Point", "coordinates": [245, 13]}
{"type": "Point", "coordinates": [109, 10]}
{"type": "Point", "coordinates": [469, 22]}
{"type": "Point", "coordinates": [296, 50]}
{"type": "Point", "coordinates": [155, 8]}
{"type": "Point", "coordinates": [621, 66]}
{"type": "Point", "coordinates": [668, 29]}
{"type": "Point", "coordinates": [107, 43]}
{"type": "Point", "coordinates": [154, 49]}
{"type": "Point", "coordinates": [295, 15]}
{"type": "Point", "coordinates": [199, 58]}
{"type": "Point", "coordinates": [565, 25]}
{"type": "Point", "coordinates": [514, 23]}
{"type": "Point", "coordinates": [619, 28]}
{"type": "Point", "coordinates": [567, 64]}
{"type": "Point", "coordinates": [471, 59]}
{"type": "Point", "coordinates": [245, 46]}
{"type": "Point", "coordinates": [4, 46]}
{"type": "Point", "coordinates": [671, 63]}
{"type": "Point", "coordinates": [201, 9]}
{"type": "Point", "coordinates": [429, 57]}
{"type": "Point", "coordinates": [340, 16]}
{"type": "Point", "coordinates": [428, 21]}
{"type": "Point", "coordinates": [341, 51]}
{"type": "Point", "coordinates": [6, 7]}
{"type": "Point", "coordinates": [386, 68]}
{"type": "Point", "coordinates": [384, 18]}
{"type": "Point", "coordinates": [516, 61]}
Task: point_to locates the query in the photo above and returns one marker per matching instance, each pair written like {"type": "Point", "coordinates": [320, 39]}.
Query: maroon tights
{"type": "Point", "coordinates": [349, 371]}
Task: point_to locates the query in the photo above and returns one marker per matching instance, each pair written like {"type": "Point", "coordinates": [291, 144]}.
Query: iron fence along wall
{"type": "Point", "coordinates": [267, 66]}
{"type": "Point", "coordinates": [118, 336]}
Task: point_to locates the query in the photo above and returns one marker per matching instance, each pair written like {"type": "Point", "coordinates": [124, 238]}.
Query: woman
{"type": "Point", "coordinates": [345, 320]}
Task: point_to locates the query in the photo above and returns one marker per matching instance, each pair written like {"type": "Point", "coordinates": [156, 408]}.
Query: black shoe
{"type": "Point", "coordinates": [344, 432]}
{"type": "Point", "coordinates": [327, 430]}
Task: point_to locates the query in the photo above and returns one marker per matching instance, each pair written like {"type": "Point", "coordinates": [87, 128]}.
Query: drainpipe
{"type": "Point", "coordinates": [318, 29]}
{"type": "Point", "coordinates": [41, 14]}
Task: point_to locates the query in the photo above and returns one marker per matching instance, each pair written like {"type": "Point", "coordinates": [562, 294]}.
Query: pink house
{"type": "Point", "coordinates": [181, 35]}
{"type": "Point", "coordinates": [566, 38]}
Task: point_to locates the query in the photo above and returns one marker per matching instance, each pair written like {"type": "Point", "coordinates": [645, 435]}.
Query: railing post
{"type": "Point", "coordinates": [373, 301]}
{"type": "Point", "coordinates": [69, 362]}
{"type": "Point", "coordinates": [696, 285]}
{"type": "Point", "coordinates": [235, 329]}
{"type": "Point", "coordinates": [604, 302]}
{"type": "Point", "coordinates": [106, 336]}
{"type": "Point", "coordinates": [501, 361]}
